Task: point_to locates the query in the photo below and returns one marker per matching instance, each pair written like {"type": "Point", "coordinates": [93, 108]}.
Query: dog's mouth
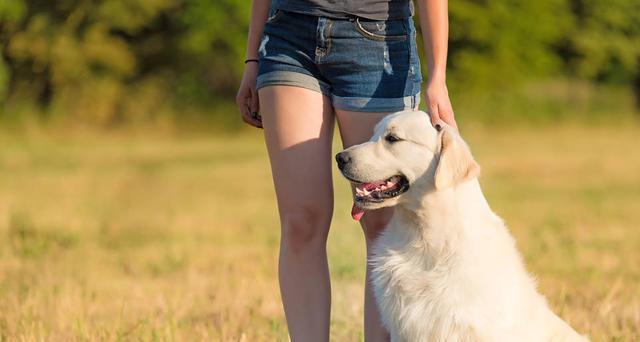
{"type": "Point", "coordinates": [376, 192]}
{"type": "Point", "coordinates": [383, 189]}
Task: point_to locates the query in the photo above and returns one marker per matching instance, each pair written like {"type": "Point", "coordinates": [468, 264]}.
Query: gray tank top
{"type": "Point", "coordinates": [342, 9]}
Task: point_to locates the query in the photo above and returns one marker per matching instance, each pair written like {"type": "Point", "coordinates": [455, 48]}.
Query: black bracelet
{"type": "Point", "coordinates": [250, 60]}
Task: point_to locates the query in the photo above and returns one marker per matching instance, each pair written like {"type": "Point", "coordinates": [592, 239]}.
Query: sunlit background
{"type": "Point", "coordinates": [135, 205]}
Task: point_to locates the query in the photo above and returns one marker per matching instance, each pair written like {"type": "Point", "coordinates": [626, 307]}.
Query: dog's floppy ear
{"type": "Point", "coordinates": [455, 164]}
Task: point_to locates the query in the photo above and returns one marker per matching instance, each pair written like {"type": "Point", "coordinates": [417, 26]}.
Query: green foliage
{"type": "Point", "coordinates": [107, 62]}
{"type": "Point", "coordinates": [604, 44]}
{"type": "Point", "coordinates": [493, 43]}
{"type": "Point", "coordinates": [11, 10]}
{"type": "Point", "coordinates": [111, 61]}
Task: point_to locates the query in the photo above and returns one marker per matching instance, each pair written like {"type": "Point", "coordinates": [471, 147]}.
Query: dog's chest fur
{"type": "Point", "coordinates": [464, 282]}
{"type": "Point", "coordinates": [413, 289]}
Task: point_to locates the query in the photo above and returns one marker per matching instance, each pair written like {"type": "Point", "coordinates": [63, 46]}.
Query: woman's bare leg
{"type": "Point", "coordinates": [356, 128]}
{"type": "Point", "coordinates": [298, 129]}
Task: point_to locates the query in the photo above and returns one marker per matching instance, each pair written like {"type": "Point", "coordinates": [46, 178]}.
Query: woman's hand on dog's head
{"type": "Point", "coordinates": [438, 104]}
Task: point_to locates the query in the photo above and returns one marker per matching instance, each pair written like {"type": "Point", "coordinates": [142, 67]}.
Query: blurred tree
{"type": "Point", "coordinates": [67, 55]}
{"type": "Point", "coordinates": [213, 45]}
{"type": "Point", "coordinates": [604, 42]}
{"type": "Point", "coordinates": [81, 58]}
{"type": "Point", "coordinates": [10, 13]}
{"type": "Point", "coordinates": [494, 43]}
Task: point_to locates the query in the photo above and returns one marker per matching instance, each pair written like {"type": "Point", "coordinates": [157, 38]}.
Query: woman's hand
{"type": "Point", "coordinates": [247, 98]}
{"type": "Point", "coordinates": [438, 103]}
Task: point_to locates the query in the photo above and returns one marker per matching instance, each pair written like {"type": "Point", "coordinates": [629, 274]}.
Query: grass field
{"type": "Point", "coordinates": [175, 239]}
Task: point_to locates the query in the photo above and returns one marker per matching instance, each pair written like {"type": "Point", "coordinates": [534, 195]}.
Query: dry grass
{"type": "Point", "coordinates": [176, 239]}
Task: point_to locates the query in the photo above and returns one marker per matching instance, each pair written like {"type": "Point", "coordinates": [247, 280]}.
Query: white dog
{"type": "Point", "coordinates": [445, 268]}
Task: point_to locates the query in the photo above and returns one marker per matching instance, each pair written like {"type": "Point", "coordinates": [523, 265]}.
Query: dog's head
{"type": "Point", "coordinates": [405, 158]}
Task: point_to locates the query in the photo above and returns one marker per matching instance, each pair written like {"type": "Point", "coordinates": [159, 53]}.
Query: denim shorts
{"type": "Point", "coordinates": [361, 65]}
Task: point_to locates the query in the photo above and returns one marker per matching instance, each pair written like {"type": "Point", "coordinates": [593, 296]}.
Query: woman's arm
{"type": "Point", "coordinates": [434, 22]}
{"type": "Point", "coordinates": [247, 97]}
{"type": "Point", "coordinates": [259, 13]}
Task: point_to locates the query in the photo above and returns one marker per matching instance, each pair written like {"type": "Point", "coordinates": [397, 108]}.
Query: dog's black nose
{"type": "Point", "coordinates": [342, 159]}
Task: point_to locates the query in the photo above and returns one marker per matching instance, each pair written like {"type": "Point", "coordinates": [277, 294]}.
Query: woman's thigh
{"type": "Point", "coordinates": [298, 130]}
{"type": "Point", "coordinates": [356, 128]}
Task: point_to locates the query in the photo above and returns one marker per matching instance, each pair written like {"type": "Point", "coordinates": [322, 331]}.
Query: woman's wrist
{"type": "Point", "coordinates": [251, 68]}
{"type": "Point", "coordinates": [437, 73]}
{"type": "Point", "coordinates": [436, 81]}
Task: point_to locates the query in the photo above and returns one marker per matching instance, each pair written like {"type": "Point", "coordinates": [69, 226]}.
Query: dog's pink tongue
{"type": "Point", "coordinates": [356, 212]}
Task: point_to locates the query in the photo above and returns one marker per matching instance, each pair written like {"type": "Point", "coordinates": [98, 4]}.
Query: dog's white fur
{"type": "Point", "coordinates": [446, 268]}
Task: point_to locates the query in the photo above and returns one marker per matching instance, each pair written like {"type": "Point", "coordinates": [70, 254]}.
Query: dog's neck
{"type": "Point", "coordinates": [441, 217]}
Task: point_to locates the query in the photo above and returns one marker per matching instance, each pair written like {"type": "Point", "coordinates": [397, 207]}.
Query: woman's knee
{"type": "Point", "coordinates": [374, 222]}
{"type": "Point", "coordinates": [305, 229]}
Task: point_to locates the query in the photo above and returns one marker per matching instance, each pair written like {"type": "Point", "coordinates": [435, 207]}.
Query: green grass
{"type": "Point", "coordinates": [175, 239]}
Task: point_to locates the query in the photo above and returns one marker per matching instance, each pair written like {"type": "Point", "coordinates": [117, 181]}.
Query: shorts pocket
{"type": "Point", "coordinates": [382, 30]}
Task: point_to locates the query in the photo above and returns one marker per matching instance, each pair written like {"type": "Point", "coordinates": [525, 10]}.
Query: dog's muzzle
{"type": "Point", "coordinates": [372, 191]}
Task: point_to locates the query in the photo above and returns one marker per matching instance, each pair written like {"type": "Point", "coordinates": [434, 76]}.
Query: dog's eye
{"type": "Point", "coordinates": [391, 138]}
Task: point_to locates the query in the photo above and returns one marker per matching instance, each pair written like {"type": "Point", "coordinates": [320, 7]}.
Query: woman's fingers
{"type": "Point", "coordinates": [254, 105]}
{"type": "Point", "coordinates": [249, 117]}
{"type": "Point", "coordinates": [441, 113]}
{"type": "Point", "coordinates": [438, 116]}
{"type": "Point", "coordinates": [253, 122]}
{"type": "Point", "coordinates": [246, 102]}
{"type": "Point", "coordinates": [253, 100]}
{"type": "Point", "coordinates": [439, 105]}
{"type": "Point", "coordinates": [446, 115]}
{"type": "Point", "coordinates": [434, 114]}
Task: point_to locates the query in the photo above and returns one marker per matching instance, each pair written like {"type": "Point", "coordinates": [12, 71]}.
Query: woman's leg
{"type": "Point", "coordinates": [298, 129]}
{"type": "Point", "coordinates": [356, 128]}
